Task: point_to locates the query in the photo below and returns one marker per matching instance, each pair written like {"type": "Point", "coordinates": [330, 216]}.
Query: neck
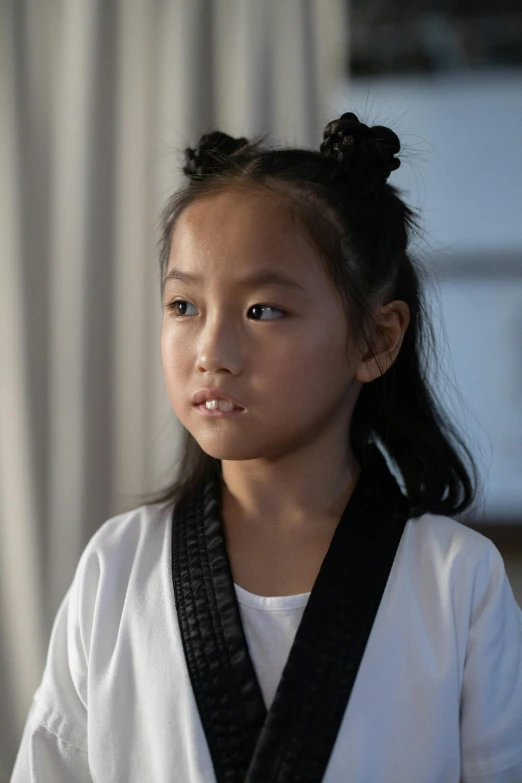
{"type": "Point", "coordinates": [286, 499]}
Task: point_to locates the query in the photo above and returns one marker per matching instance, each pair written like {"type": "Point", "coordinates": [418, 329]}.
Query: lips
{"type": "Point", "coordinates": [202, 395]}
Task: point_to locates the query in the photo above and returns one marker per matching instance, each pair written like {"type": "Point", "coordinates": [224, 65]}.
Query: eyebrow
{"type": "Point", "coordinates": [259, 278]}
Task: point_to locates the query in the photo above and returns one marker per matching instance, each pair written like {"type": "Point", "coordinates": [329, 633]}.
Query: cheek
{"type": "Point", "coordinates": [173, 358]}
{"type": "Point", "coordinates": [166, 352]}
{"type": "Point", "coordinates": [307, 372]}
{"type": "Point", "coordinates": [173, 342]}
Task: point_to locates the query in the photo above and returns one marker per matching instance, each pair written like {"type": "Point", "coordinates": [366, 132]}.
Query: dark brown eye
{"type": "Point", "coordinates": [260, 307]}
{"type": "Point", "coordinates": [173, 305]}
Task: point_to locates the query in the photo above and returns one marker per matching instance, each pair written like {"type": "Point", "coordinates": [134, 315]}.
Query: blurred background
{"type": "Point", "coordinates": [97, 102]}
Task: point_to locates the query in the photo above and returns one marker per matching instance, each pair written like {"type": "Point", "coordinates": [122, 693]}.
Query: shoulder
{"type": "Point", "coordinates": [451, 558]}
{"type": "Point", "coordinates": [124, 551]}
{"type": "Point", "coordinates": [449, 541]}
{"type": "Point", "coordinates": [123, 536]}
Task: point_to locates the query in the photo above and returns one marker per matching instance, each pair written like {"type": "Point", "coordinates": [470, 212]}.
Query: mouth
{"type": "Point", "coordinates": [216, 412]}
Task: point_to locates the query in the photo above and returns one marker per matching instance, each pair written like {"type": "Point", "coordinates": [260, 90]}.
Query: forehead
{"type": "Point", "coordinates": [243, 228]}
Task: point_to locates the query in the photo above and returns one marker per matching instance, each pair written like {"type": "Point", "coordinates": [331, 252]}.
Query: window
{"type": "Point", "coordinates": [429, 36]}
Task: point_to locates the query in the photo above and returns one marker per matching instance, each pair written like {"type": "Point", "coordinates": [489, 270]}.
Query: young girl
{"type": "Point", "coordinates": [285, 611]}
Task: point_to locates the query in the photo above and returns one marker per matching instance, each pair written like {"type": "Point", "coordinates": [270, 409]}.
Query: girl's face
{"type": "Point", "coordinates": [279, 350]}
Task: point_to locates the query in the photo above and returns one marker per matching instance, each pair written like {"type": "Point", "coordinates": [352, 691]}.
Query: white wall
{"type": "Point", "coordinates": [462, 147]}
{"type": "Point", "coordinates": [462, 167]}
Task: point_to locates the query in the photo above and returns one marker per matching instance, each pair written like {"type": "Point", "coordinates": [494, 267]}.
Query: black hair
{"type": "Point", "coordinates": [361, 228]}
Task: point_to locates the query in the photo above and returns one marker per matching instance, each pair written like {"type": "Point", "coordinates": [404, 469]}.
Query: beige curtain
{"type": "Point", "coordinates": [97, 100]}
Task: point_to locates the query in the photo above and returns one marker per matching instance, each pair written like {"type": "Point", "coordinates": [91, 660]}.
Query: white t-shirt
{"type": "Point", "coordinates": [437, 699]}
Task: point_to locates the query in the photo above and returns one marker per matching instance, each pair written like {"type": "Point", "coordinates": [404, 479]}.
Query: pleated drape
{"type": "Point", "coordinates": [97, 102]}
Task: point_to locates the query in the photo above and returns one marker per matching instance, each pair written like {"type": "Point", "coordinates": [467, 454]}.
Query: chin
{"type": "Point", "coordinates": [225, 448]}
{"type": "Point", "coordinates": [229, 452]}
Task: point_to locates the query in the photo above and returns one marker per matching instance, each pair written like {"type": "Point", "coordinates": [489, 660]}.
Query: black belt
{"type": "Point", "coordinates": [293, 741]}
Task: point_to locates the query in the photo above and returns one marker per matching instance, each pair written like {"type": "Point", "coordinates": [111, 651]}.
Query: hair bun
{"type": "Point", "coordinates": [369, 151]}
{"type": "Point", "coordinates": [211, 149]}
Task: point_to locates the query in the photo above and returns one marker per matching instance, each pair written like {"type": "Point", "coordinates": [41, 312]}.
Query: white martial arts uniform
{"type": "Point", "coordinates": [437, 698]}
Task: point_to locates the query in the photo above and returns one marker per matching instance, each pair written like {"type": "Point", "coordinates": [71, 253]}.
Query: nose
{"type": "Point", "coordinates": [219, 348]}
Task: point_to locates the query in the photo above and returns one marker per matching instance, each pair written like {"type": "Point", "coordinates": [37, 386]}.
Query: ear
{"type": "Point", "coordinates": [393, 320]}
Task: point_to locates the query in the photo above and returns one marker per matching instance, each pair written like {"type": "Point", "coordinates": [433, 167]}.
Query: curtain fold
{"type": "Point", "coordinates": [21, 638]}
{"type": "Point", "coordinates": [98, 101]}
